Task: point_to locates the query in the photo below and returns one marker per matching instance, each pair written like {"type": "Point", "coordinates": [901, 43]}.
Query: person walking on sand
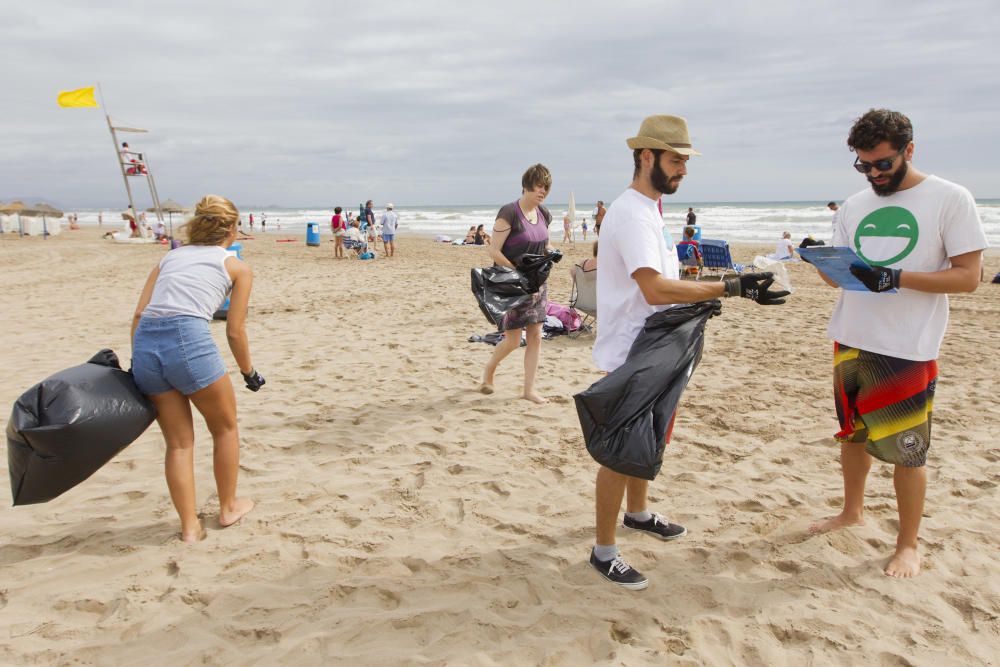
{"type": "Point", "coordinates": [176, 363]}
{"type": "Point", "coordinates": [522, 228]}
{"type": "Point", "coordinates": [567, 229]}
{"type": "Point", "coordinates": [599, 216]}
{"type": "Point", "coordinates": [389, 223]}
{"type": "Point", "coordinates": [638, 276]}
{"type": "Point", "coordinates": [921, 239]}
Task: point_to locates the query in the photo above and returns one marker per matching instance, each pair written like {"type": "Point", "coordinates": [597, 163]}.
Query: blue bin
{"type": "Point", "coordinates": [697, 232]}
{"type": "Point", "coordinates": [223, 311]}
{"type": "Point", "coordinates": [312, 233]}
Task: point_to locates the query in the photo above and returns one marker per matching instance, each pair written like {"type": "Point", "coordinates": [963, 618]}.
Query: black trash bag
{"type": "Point", "coordinates": [536, 269]}
{"type": "Point", "coordinates": [62, 430]}
{"type": "Point", "coordinates": [497, 290]}
{"type": "Point", "coordinates": [625, 414]}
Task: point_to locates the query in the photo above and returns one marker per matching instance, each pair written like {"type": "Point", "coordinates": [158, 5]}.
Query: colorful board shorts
{"type": "Point", "coordinates": [885, 402]}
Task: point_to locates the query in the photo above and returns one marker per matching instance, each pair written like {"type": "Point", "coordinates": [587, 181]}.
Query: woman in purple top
{"type": "Point", "coordinates": [521, 228]}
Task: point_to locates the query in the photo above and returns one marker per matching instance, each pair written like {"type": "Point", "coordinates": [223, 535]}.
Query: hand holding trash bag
{"type": "Point", "coordinates": [755, 286]}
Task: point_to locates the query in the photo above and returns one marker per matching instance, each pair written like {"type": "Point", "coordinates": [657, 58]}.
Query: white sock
{"type": "Point", "coordinates": [641, 517]}
{"type": "Point", "coordinates": [605, 552]}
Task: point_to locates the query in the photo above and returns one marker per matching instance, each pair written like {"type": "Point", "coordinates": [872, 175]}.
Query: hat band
{"type": "Point", "coordinates": [678, 145]}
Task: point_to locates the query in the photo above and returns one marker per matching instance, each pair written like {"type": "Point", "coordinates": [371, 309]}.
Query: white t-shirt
{"type": "Point", "coordinates": [916, 229]}
{"type": "Point", "coordinates": [784, 249]}
{"type": "Point", "coordinates": [192, 281]}
{"type": "Point", "coordinates": [389, 221]}
{"type": "Point", "coordinates": [632, 238]}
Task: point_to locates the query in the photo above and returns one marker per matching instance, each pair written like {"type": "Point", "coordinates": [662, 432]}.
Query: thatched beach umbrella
{"type": "Point", "coordinates": [170, 207]}
{"type": "Point", "coordinates": [14, 207]}
{"type": "Point", "coordinates": [43, 211]}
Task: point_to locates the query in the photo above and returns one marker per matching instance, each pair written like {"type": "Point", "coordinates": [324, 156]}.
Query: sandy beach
{"type": "Point", "coordinates": [404, 518]}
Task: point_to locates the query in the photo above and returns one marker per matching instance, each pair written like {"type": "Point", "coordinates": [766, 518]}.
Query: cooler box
{"type": "Point", "coordinates": [312, 233]}
{"type": "Point", "coordinates": [223, 311]}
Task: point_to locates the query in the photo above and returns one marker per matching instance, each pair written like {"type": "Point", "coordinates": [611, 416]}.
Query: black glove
{"type": "Point", "coordinates": [755, 286]}
{"type": "Point", "coordinates": [253, 379]}
{"type": "Point", "coordinates": [876, 278]}
{"type": "Point", "coordinates": [556, 255]}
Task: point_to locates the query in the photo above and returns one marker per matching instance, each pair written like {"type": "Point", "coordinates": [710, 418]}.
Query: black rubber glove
{"type": "Point", "coordinates": [253, 379]}
{"type": "Point", "coordinates": [876, 278]}
{"type": "Point", "coordinates": [555, 256]}
{"type": "Point", "coordinates": [754, 286]}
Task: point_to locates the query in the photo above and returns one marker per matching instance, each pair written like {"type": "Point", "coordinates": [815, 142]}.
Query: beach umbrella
{"type": "Point", "coordinates": [43, 211]}
{"type": "Point", "coordinates": [12, 208]}
{"type": "Point", "coordinates": [170, 207]}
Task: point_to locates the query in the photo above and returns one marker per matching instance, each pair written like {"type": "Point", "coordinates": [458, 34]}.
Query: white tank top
{"type": "Point", "coordinates": [193, 281]}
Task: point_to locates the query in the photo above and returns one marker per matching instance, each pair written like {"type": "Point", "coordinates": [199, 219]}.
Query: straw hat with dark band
{"type": "Point", "coordinates": [666, 133]}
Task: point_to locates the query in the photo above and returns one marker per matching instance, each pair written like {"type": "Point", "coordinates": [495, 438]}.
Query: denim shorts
{"type": "Point", "coordinates": [388, 238]}
{"type": "Point", "coordinates": [175, 353]}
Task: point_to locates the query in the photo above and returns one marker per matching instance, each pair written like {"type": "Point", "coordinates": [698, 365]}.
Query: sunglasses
{"type": "Point", "coordinates": [885, 164]}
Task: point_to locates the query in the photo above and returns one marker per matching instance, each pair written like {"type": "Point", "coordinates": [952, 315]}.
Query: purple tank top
{"type": "Point", "coordinates": [528, 238]}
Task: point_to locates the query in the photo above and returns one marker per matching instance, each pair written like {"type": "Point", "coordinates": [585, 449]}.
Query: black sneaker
{"type": "Point", "coordinates": [657, 526]}
{"type": "Point", "coordinates": [617, 571]}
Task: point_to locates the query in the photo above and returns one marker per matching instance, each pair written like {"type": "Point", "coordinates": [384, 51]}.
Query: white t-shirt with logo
{"type": "Point", "coordinates": [917, 229]}
{"type": "Point", "coordinates": [632, 238]}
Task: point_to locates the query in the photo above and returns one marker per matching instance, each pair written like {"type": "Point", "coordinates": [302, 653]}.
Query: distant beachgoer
{"type": "Point", "coordinates": [583, 226]}
{"type": "Point", "coordinates": [339, 227]}
{"type": "Point", "coordinates": [567, 229]}
{"type": "Point", "coordinates": [639, 277]}
{"type": "Point", "coordinates": [481, 237]}
{"type": "Point", "coordinates": [920, 235]}
{"type": "Point", "coordinates": [251, 222]}
{"type": "Point", "coordinates": [357, 238]}
{"type": "Point", "coordinates": [785, 249]}
{"type": "Point", "coordinates": [521, 228]}
{"type": "Point", "coordinates": [691, 217]}
{"type": "Point", "coordinates": [177, 303]}
{"type": "Point", "coordinates": [689, 240]}
{"type": "Point", "coordinates": [470, 237]}
{"type": "Point", "coordinates": [263, 223]}
{"type": "Point", "coordinates": [833, 206]}
{"type": "Point", "coordinates": [389, 223]}
{"type": "Point", "coordinates": [159, 230]}
{"type": "Point", "coordinates": [100, 219]}
{"type": "Point", "coordinates": [599, 216]}
{"type": "Point", "coordinates": [369, 220]}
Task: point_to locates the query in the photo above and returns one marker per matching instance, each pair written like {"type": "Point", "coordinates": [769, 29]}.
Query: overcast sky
{"type": "Point", "coordinates": [323, 103]}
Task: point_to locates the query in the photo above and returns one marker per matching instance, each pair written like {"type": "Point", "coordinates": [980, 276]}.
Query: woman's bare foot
{"type": "Point", "coordinates": [905, 563]}
{"type": "Point", "coordinates": [535, 397]}
{"type": "Point", "coordinates": [486, 388]}
{"type": "Point", "coordinates": [192, 536]}
{"type": "Point", "coordinates": [836, 523]}
{"type": "Point", "coordinates": [239, 509]}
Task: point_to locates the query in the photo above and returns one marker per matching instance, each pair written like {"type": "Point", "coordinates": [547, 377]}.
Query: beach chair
{"type": "Point", "coordinates": [717, 259]}
{"type": "Point", "coordinates": [584, 298]}
{"type": "Point", "coordinates": [690, 258]}
{"type": "Point", "coordinates": [355, 247]}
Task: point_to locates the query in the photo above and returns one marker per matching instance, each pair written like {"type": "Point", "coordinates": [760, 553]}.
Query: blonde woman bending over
{"type": "Point", "coordinates": [176, 363]}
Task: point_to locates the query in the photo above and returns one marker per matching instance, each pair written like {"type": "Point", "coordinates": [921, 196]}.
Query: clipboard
{"type": "Point", "coordinates": [835, 263]}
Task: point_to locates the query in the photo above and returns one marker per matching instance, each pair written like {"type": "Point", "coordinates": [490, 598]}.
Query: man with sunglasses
{"type": "Point", "coordinates": [920, 238]}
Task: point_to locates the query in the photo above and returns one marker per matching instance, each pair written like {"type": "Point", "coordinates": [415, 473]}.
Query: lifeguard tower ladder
{"type": "Point", "coordinates": [135, 165]}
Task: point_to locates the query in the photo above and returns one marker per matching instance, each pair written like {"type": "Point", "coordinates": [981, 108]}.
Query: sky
{"type": "Point", "coordinates": [331, 103]}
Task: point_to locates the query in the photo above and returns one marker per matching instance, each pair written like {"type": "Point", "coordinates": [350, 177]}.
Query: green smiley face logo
{"type": "Point", "coordinates": [886, 236]}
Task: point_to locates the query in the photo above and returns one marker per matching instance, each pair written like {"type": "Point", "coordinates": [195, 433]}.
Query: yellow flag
{"type": "Point", "coordinates": [82, 97]}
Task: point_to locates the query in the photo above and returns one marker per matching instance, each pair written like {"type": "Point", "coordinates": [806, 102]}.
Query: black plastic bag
{"type": "Point", "coordinates": [497, 290]}
{"type": "Point", "coordinates": [625, 414]}
{"type": "Point", "coordinates": [62, 430]}
{"type": "Point", "coordinates": [536, 268]}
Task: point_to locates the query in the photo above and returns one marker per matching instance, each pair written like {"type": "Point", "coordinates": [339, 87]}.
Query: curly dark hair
{"type": "Point", "coordinates": [880, 125]}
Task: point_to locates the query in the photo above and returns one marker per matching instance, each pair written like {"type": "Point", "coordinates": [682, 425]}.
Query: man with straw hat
{"type": "Point", "coordinates": [639, 275]}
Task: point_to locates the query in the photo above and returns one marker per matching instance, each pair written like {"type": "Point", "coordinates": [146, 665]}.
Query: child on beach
{"type": "Point", "coordinates": [176, 363]}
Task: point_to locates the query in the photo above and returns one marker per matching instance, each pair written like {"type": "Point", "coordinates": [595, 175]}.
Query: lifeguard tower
{"type": "Point", "coordinates": [135, 165]}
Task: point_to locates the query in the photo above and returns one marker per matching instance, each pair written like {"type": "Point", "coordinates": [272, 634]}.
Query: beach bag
{"type": "Point", "coordinates": [568, 316]}
{"type": "Point", "coordinates": [367, 255]}
{"type": "Point", "coordinates": [62, 430]}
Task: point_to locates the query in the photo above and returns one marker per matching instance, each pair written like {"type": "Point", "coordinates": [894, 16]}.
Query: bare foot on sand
{"type": "Point", "coordinates": [905, 563]}
{"type": "Point", "coordinates": [835, 523]}
{"type": "Point", "coordinates": [235, 512]}
{"type": "Point", "coordinates": [486, 388]}
{"type": "Point", "coordinates": [193, 536]}
{"type": "Point", "coordinates": [535, 398]}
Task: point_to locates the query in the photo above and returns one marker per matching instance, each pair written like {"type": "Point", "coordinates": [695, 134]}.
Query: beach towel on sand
{"type": "Point", "coordinates": [62, 430]}
{"type": "Point", "coordinates": [625, 414]}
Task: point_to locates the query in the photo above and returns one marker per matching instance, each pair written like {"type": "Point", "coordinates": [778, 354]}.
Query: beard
{"type": "Point", "coordinates": [894, 181]}
{"type": "Point", "coordinates": [661, 182]}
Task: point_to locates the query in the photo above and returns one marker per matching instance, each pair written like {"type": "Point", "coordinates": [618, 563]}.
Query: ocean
{"type": "Point", "coordinates": [752, 222]}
